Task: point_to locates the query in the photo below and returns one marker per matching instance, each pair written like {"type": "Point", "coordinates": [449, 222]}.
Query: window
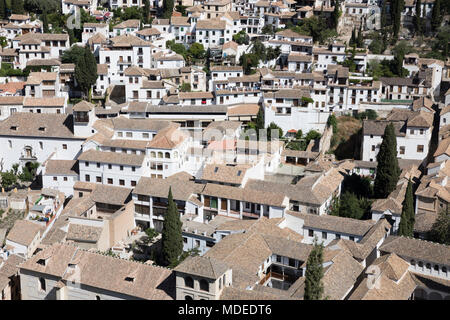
{"type": "Point", "coordinates": [185, 239]}
{"type": "Point", "coordinates": [121, 168]}
{"type": "Point", "coordinates": [55, 178]}
{"type": "Point", "coordinates": [352, 238]}
{"type": "Point", "coordinates": [98, 164]}
{"type": "Point", "coordinates": [189, 282]}
{"type": "Point", "coordinates": [402, 150]}
{"type": "Point", "coordinates": [338, 236]}
{"type": "Point", "coordinates": [99, 179]}
{"type": "Point", "coordinates": [145, 135]}
{"type": "Point", "coordinates": [311, 233]}
{"type": "Point", "coordinates": [291, 262]}
{"type": "Point", "coordinates": [109, 166]}
{"type": "Point", "coordinates": [65, 178]}
{"type": "Point", "coordinates": [110, 181]}
{"type": "Point", "coordinates": [64, 146]}
{"type": "Point", "coordinates": [413, 262]}
{"type": "Point", "coordinates": [87, 178]}
{"type": "Point", "coordinates": [97, 297]}
{"type": "Point", "coordinates": [411, 131]}
{"type": "Point", "coordinates": [133, 169]}
{"type": "Point", "coordinates": [120, 134]}
{"type": "Point", "coordinates": [133, 183]}
{"type": "Point", "coordinates": [121, 182]}
{"type": "Point", "coordinates": [421, 131]}
{"type": "Point", "coordinates": [129, 134]}
{"type": "Point", "coordinates": [420, 148]}
{"type": "Point", "coordinates": [42, 284]}
{"type": "Point", "coordinates": [86, 164]}
{"type": "Point", "coordinates": [373, 147]}
{"type": "Point", "coordinates": [204, 285]}
{"type": "Point", "coordinates": [324, 235]}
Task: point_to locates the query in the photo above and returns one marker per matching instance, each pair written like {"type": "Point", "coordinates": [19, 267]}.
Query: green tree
{"type": "Point", "coordinates": [167, 8]}
{"type": "Point", "coordinates": [72, 55]}
{"type": "Point", "coordinates": [360, 39]}
{"type": "Point", "coordinates": [3, 42]}
{"type": "Point", "coordinates": [267, 29]}
{"type": "Point", "coordinates": [349, 206]}
{"type": "Point", "coordinates": [312, 135]}
{"type": "Point", "coordinates": [436, 15]}
{"type": "Point", "coordinates": [332, 122]}
{"type": "Point", "coordinates": [3, 9]}
{"type": "Point", "coordinates": [260, 120]}
{"type": "Point", "coordinates": [86, 71]}
{"type": "Point", "coordinates": [146, 13]}
{"type": "Point", "coordinates": [407, 219]}
{"type": "Point", "coordinates": [185, 87]}
{"type": "Point", "coordinates": [45, 22]}
{"type": "Point", "coordinates": [241, 38]}
{"type": "Point", "coordinates": [299, 134]}
{"type": "Point", "coordinates": [396, 14]}
{"type": "Point", "coordinates": [352, 40]}
{"type": "Point", "coordinates": [172, 240]}
{"type": "Point", "coordinates": [440, 231]}
{"type": "Point", "coordinates": [17, 6]}
{"type": "Point", "coordinates": [197, 51]}
{"type": "Point", "coordinates": [335, 15]}
{"type": "Point", "coordinates": [8, 179]}
{"type": "Point", "coordinates": [314, 273]}
{"type": "Point", "coordinates": [388, 170]}
{"type": "Point", "coordinates": [273, 126]}
{"type": "Point", "coordinates": [418, 18]}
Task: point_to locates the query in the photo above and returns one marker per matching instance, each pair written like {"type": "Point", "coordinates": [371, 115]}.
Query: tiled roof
{"type": "Point", "coordinates": [29, 124]}
{"type": "Point", "coordinates": [112, 157]}
{"type": "Point", "coordinates": [61, 167]}
{"type": "Point", "coordinates": [203, 267]}
{"type": "Point", "coordinates": [24, 232]}
{"type": "Point", "coordinates": [417, 249]}
{"type": "Point", "coordinates": [129, 278]}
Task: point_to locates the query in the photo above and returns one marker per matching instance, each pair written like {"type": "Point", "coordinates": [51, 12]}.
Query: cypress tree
{"type": "Point", "coordinates": [86, 71]}
{"type": "Point", "coordinates": [408, 206]}
{"type": "Point", "coordinates": [335, 15]}
{"type": "Point", "coordinates": [314, 273]}
{"type": "Point", "coordinates": [388, 170]}
{"type": "Point", "coordinates": [146, 14]}
{"type": "Point", "coordinates": [167, 8]}
{"type": "Point", "coordinates": [407, 218]}
{"type": "Point", "coordinates": [436, 16]}
{"type": "Point", "coordinates": [45, 22]}
{"type": "Point", "coordinates": [172, 240]}
{"type": "Point", "coordinates": [359, 39]}
{"type": "Point", "coordinates": [397, 14]}
{"type": "Point", "coordinates": [383, 19]}
{"type": "Point", "coordinates": [3, 9]}
{"type": "Point", "coordinates": [418, 17]}
{"type": "Point", "coordinates": [353, 38]}
{"type": "Point", "coordinates": [17, 6]}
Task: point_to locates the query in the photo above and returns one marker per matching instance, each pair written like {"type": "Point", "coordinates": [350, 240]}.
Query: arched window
{"type": "Point", "coordinates": [413, 263]}
{"type": "Point", "coordinates": [160, 154]}
{"type": "Point", "coordinates": [188, 282]}
{"type": "Point", "coordinates": [428, 266]}
{"type": "Point", "coordinates": [444, 269]}
{"type": "Point", "coordinates": [204, 285]}
{"type": "Point", "coordinates": [188, 298]}
{"type": "Point", "coordinates": [420, 264]}
{"type": "Point", "coordinates": [153, 154]}
{"type": "Point", "coordinates": [167, 155]}
{"type": "Point", "coordinates": [97, 297]}
{"type": "Point", "coordinates": [436, 267]}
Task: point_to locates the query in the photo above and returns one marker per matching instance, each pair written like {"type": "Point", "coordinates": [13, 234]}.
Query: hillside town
{"type": "Point", "coordinates": [224, 150]}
